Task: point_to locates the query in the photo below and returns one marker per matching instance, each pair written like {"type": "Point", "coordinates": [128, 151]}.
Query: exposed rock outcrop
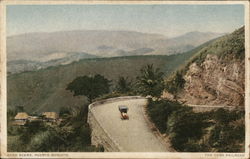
{"type": "Point", "coordinates": [214, 82]}
{"type": "Point", "coordinates": [215, 75]}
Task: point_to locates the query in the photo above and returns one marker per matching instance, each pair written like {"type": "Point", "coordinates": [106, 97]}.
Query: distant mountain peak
{"type": "Point", "coordinates": [41, 46]}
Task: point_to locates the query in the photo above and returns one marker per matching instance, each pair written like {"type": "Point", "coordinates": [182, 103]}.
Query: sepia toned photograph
{"type": "Point", "coordinates": [159, 79]}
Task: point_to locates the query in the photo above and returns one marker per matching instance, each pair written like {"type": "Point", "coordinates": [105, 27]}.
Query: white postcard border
{"type": "Point", "coordinates": [3, 85]}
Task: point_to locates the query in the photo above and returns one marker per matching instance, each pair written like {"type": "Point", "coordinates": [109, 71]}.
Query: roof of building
{"type": "Point", "coordinates": [51, 115]}
{"type": "Point", "coordinates": [21, 115]}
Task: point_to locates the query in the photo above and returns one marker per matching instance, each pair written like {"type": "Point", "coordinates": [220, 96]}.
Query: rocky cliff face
{"type": "Point", "coordinates": [214, 76]}
{"type": "Point", "coordinates": [214, 82]}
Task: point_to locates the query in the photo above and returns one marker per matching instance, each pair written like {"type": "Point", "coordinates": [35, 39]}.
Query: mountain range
{"type": "Point", "coordinates": [211, 74]}
{"type": "Point", "coordinates": [41, 50]}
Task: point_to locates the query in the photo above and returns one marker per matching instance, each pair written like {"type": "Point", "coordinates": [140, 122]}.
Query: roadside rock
{"type": "Point", "coordinates": [214, 82]}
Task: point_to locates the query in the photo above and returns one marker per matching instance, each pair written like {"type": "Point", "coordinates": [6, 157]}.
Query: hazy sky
{"type": "Point", "coordinates": [170, 20]}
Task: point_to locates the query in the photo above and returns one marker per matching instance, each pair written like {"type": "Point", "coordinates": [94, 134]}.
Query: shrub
{"type": "Point", "coordinates": [228, 133]}
{"type": "Point", "coordinates": [218, 130]}
{"type": "Point", "coordinates": [150, 81]}
{"type": "Point", "coordinates": [159, 111]}
{"type": "Point", "coordinates": [72, 135]}
{"type": "Point", "coordinates": [124, 85]}
{"type": "Point", "coordinates": [185, 125]}
{"type": "Point", "coordinates": [175, 83]}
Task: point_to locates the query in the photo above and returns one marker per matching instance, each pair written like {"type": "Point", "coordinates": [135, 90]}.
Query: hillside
{"type": "Point", "coordinates": [39, 46]}
{"type": "Point", "coordinates": [44, 90]}
{"type": "Point", "coordinates": [215, 75]}
{"type": "Point", "coordinates": [53, 59]}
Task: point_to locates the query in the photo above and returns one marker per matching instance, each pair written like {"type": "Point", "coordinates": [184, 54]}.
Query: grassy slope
{"type": "Point", "coordinates": [44, 90]}
{"type": "Point", "coordinates": [228, 47]}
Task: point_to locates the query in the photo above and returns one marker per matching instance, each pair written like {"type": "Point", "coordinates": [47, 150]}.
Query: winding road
{"type": "Point", "coordinates": [133, 135]}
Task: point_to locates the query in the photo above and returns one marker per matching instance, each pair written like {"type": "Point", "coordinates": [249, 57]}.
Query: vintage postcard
{"type": "Point", "coordinates": [124, 79]}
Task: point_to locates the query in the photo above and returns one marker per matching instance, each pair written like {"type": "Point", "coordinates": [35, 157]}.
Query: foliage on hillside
{"type": "Point", "coordinates": [175, 82]}
{"type": "Point", "coordinates": [71, 135]}
{"type": "Point", "coordinates": [159, 111]}
{"type": "Point", "coordinates": [215, 131]}
{"type": "Point", "coordinates": [150, 81]}
{"type": "Point", "coordinates": [124, 85]}
{"type": "Point", "coordinates": [45, 90]}
{"type": "Point", "coordinates": [37, 91]}
{"type": "Point", "coordinates": [229, 47]}
{"type": "Point", "coordinates": [89, 86]}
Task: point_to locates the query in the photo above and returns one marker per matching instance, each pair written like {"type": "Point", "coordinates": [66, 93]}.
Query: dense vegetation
{"type": "Point", "coordinates": [165, 108]}
{"type": "Point", "coordinates": [37, 91]}
{"type": "Point", "coordinates": [150, 81]}
{"type": "Point", "coordinates": [124, 85]}
{"type": "Point", "coordinates": [89, 86]}
{"type": "Point", "coordinates": [71, 135]}
{"type": "Point", "coordinates": [229, 47]}
{"type": "Point", "coordinates": [215, 131]}
{"type": "Point", "coordinates": [73, 132]}
{"type": "Point", "coordinates": [48, 90]}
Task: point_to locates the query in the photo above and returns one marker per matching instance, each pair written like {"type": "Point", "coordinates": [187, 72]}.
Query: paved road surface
{"type": "Point", "coordinates": [133, 135]}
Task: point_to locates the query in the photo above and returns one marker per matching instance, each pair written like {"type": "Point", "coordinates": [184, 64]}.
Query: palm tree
{"type": "Point", "coordinates": [150, 81]}
{"type": "Point", "coordinates": [123, 85]}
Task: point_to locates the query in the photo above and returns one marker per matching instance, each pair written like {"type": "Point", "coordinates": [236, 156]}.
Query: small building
{"type": "Point", "coordinates": [21, 118]}
{"type": "Point", "coordinates": [50, 116]}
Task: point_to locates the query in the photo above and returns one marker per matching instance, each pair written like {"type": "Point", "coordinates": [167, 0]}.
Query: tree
{"type": "Point", "coordinates": [90, 86]}
{"type": "Point", "coordinates": [123, 85]}
{"type": "Point", "coordinates": [19, 108]}
{"type": "Point", "coordinates": [184, 126]}
{"type": "Point", "coordinates": [175, 83]}
{"type": "Point", "coordinates": [150, 82]}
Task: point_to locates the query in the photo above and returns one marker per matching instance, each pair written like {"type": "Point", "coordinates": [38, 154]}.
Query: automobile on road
{"type": "Point", "coordinates": [124, 112]}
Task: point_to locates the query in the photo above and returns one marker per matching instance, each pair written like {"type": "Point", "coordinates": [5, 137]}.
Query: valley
{"type": "Point", "coordinates": [100, 79]}
{"type": "Point", "coordinates": [186, 77]}
{"type": "Point", "coordinates": [45, 89]}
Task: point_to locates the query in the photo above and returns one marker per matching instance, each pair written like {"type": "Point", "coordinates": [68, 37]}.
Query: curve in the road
{"type": "Point", "coordinates": [133, 135]}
